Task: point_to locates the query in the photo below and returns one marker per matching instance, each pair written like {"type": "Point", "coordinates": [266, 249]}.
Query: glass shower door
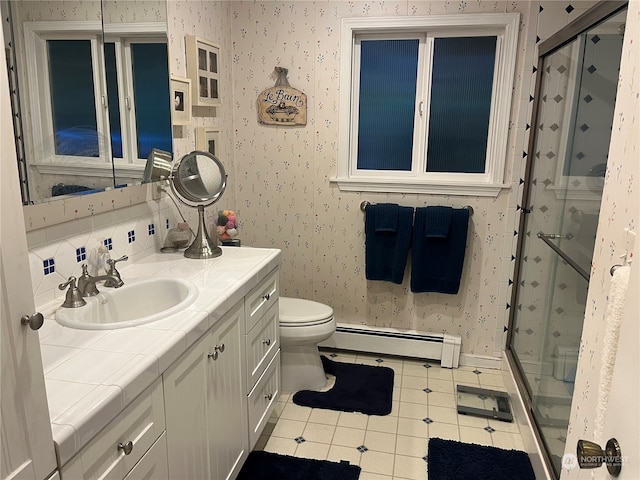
{"type": "Point", "coordinates": [572, 132]}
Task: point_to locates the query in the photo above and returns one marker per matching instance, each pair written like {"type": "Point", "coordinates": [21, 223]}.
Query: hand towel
{"type": "Point", "coordinates": [436, 262]}
{"type": "Point", "coordinates": [437, 222]}
{"type": "Point", "coordinates": [386, 217]}
{"type": "Point", "coordinates": [386, 252]}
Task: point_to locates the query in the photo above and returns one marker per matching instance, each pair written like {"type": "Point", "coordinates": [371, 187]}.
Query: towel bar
{"type": "Point", "coordinates": [364, 204]}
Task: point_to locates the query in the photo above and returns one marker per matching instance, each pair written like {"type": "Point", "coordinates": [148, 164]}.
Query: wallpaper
{"type": "Point", "coordinates": [285, 199]}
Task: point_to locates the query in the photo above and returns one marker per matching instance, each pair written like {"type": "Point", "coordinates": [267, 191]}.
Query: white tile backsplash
{"type": "Point", "coordinates": [61, 241]}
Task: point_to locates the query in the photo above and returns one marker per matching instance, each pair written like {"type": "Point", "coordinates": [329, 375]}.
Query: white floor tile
{"type": "Point", "coordinates": [348, 437]}
{"type": "Point", "coordinates": [385, 424]}
{"type": "Point", "coordinates": [396, 443]}
{"type": "Point", "coordinates": [411, 446]}
{"type": "Point", "coordinates": [410, 467]}
{"type": "Point", "coordinates": [288, 428]}
{"type": "Point", "coordinates": [353, 420]}
{"type": "Point", "coordinates": [318, 432]}
{"type": "Point", "coordinates": [319, 451]}
{"type": "Point", "coordinates": [380, 442]}
{"type": "Point", "coordinates": [291, 411]}
{"type": "Point", "coordinates": [328, 417]}
{"type": "Point", "coordinates": [377, 462]}
{"type": "Point", "coordinates": [475, 435]}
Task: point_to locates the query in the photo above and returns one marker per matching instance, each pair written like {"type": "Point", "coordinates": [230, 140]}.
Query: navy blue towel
{"type": "Point", "coordinates": [386, 217]}
{"type": "Point", "coordinates": [436, 262]}
{"type": "Point", "coordinates": [438, 222]}
{"type": "Point", "coordinates": [386, 252]}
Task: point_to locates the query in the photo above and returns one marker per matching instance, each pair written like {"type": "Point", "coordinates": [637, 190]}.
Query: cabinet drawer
{"type": "Point", "coordinates": [260, 299]}
{"type": "Point", "coordinates": [262, 343]}
{"type": "Point", "coordinates": [262, 399]}
{"type": "Point", "coordinates": [141, 423]}
{"type": "Point", "coordinates": [153, 464]}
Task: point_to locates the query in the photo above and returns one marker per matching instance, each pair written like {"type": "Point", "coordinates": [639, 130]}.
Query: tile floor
{"type": "Point", "coordinates": [391, 447]}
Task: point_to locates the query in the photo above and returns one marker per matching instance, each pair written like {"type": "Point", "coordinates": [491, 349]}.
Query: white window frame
{"type": "Point", "coordinates": [349, 178]}
{"type": "Point", "coordinates": [45, 160]}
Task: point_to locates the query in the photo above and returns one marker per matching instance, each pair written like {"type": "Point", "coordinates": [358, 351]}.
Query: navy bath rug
{"type": "Point", "coordinates": [272, 466]}
{"type": "Point", "coordinates": [451, 460]}
{"type": "Point", "coordinates": [359, 388]}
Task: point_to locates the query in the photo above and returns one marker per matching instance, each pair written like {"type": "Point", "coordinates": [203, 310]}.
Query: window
{"type": "Point", "coordinates": [97, 99]}
{"type": "Point", "coordinates": [425, 103]}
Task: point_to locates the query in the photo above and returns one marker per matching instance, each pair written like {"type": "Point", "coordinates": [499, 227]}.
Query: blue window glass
{"type": "Point", "coordinates": [75, 127]}
{"type": "Point", "coordinates": [151, 92]}
{"type": "Point", "coordinates": [113, 95]}
{"type": "Point", "coordinates": [462, 79]}
{"type": "Point", "coordinates": [388, 74]}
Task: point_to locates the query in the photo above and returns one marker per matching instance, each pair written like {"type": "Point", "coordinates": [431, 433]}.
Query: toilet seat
{"type": "Point", "coordinates": [297, 312]}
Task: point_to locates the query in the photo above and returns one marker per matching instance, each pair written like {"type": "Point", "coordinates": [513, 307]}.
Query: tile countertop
{"type": "Point", "coordinates": [91, 375]}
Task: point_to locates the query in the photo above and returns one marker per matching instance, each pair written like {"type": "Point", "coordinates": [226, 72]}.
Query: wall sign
{"type": "Point", "coordinates": [282, 104]}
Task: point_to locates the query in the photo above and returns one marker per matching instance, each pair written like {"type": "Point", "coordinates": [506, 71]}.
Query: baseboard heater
{"type": "Point", "coordinates": [389, 341]}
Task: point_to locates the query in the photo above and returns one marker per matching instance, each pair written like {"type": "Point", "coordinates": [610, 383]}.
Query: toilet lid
{"type": "Point", "coordinates": [302, 312]}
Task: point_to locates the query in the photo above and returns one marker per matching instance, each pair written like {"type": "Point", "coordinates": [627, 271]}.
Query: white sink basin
{"type": "Point", "coordinates": [135, 303]}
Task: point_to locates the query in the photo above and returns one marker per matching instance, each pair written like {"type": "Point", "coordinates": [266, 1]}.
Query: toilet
{"type": "Point", "coordinates": [303, 324]}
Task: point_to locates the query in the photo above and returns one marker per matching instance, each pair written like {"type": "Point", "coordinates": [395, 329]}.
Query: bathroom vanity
{"type": "Point", "coordinates": [185, 396]}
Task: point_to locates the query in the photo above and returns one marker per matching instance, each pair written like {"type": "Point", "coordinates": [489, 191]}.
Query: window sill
{"type": "Point", "coordinates": [402, 186]}
{"type": "Point", "coordinates": [89, 170]}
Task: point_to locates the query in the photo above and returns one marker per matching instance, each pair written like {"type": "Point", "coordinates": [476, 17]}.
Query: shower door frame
{"type": "Point", "coordinates": [593, 16]}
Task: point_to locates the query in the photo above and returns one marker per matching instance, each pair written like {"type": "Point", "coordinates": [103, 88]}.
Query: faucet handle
{"type": "Point", "coordinates": [116, 281]}
{"type": "Point", "coordinates": [112, 263]}
{"type": "Point", "coordinates": [73, 298]}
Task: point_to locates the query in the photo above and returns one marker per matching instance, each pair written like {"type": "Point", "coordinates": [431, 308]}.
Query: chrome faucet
{"type": "Point", "coordinates": [87, 283]}
{"type": "Point", "coordinates": [88, 286]}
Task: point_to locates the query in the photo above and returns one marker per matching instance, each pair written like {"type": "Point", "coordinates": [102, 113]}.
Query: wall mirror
{"type": "Point", "coordinates": [86, 77]}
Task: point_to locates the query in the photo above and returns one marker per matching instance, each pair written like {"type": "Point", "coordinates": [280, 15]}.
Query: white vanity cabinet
{"type": "Point", "coordinates": [206, 404]}
{"type": "Point", "coordinates": [118, 451]}
{"type": "Point", "coordinates": [263, 353]}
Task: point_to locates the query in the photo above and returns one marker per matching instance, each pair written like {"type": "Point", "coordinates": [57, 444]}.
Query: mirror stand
{"type": "Point", "coordinates": [203, 246]}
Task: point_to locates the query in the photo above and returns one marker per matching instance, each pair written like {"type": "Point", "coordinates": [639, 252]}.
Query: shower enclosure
{"type": "Point", "coordinates": [571, 130]}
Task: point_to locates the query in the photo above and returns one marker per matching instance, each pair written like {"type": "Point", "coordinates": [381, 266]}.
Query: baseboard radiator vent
{"type": "Point", "coordinates": [433, 346]}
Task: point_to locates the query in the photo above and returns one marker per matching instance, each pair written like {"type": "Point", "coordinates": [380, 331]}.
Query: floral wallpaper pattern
{"type": "Point", "coordinates": [285, 198]}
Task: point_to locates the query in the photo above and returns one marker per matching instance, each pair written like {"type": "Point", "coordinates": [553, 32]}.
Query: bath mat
{"type": "Point", "coordinates": [358, 388]}
{"type": "Point", "coordinates": [272, 466]}
{"type": "Point", "coordinates": [451, 460]}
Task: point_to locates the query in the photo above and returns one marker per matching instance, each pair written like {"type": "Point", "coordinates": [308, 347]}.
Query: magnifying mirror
{"type": "Point", "coordinates": [198, 179]}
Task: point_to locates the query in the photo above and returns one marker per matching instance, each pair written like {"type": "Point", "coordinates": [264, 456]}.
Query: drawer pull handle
{"type": "Point", "coordinates": [267, 296]}
{"type": "Point", "coordinates": [126, 447]}
{"type": "Point", "coordinates": [218, 349]}
{"type": "Point", "coordinates": [268, 396]}
{"type": "Point", "coordinates": [267, 342]}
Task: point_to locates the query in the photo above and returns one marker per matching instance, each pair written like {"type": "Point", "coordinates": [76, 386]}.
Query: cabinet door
{"type": "Point", "coordinates": [26, 440]}
{"type": "Point", "coordinates": [154, 463]}
{"type": "Point", "coordinates": [186, 410]}
{"type": "Point", "coordinates": [226, 381]}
